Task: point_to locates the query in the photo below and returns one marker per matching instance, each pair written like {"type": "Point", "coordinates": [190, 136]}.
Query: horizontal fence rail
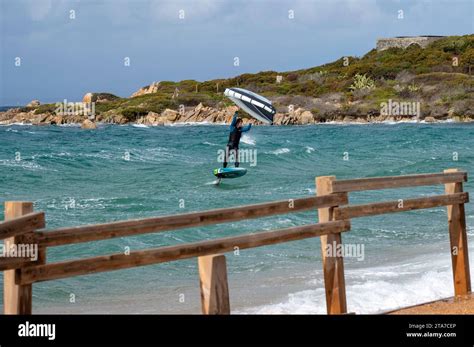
{"type": "Point", "coordinates": [172, 253]}
{"type": "Point", "coordinates": [22, 225]}
{"type": "Point", "coordinates": [13, 263]}
{"type": "Point", "coordinates": [375, 183]}
{"type": "Point", "coordinates": [105, 231]}
{"type": "Point", "coordinates": [373, 209]}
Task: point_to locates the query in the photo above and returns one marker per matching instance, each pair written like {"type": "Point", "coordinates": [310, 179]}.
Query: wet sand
{"type": "Point", "coordinates": [459, 305]}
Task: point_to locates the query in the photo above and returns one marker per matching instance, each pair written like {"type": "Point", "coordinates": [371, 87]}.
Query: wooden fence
{"type": "Point", "coordinates": [23, 226]}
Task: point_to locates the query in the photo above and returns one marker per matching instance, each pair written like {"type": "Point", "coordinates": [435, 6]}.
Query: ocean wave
{"type": "Point", "coordinates": [387, 122]}
{"type": "Point", "coordinates": [178, 124]}
{"type": "Point", "coordinates": [16, 123]}
{"type": "Point", "coordinates": [309, 149]}
{"type": "Point", "coordinates": [279, 151]}
{"type": "Point", "coordinates": [9, 129]}
{"type": "Point", "coordinates": [51, 155]}
{"type": "Point", "coordinates": [210, 143]}
{"type": "Point", "coordinates": [374, 290]}
{"type": "Point", "coordinates": [248, 140]}
{"type": "Point", "coordinates": [24, 164]}
{"type": "Point", "coordinates": [384, 291]}
{"type": "Point", "coordinates": [72, 125]}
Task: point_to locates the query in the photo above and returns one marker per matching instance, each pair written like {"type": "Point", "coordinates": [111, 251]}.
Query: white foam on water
{"type": "Point", "coordinates": [280, 151]}
{"type": "Point", "coordinates": [309, 149]}
{"type": "Point", "coordinates": [210, 143]}
{"type": "Point", "coordinates": [140, 126]}
{"type": "Point", "coordinates": [374, 289]}
{"type": "Point", "coordinates": [18, 123]}
{"type": "Point", "coordinates": [70, 202]}
{"type": "Point", "coordinates": [51, 155]}
{"type": "Point", "coordinates": [155, 154]}
{"type": "Point", "coordinates": [71, 125]}
{"type": "Point", "coordinates": [24, 164]}
{"type": "Point", "coordinates": [16, 131]}
{"type": "Point", "coordinates": [247, 139]}
{"type": "Point", "coordinates": [180, 124]}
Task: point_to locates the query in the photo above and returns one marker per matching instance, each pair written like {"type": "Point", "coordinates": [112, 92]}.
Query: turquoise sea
{"type": "Point", "coordinates": [80, 177]}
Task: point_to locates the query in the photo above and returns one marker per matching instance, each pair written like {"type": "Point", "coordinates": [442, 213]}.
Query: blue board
{"type": "Point", "coordinates": [230, 172]}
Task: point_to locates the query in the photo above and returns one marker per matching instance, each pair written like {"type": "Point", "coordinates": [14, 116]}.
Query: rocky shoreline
{"type": "Point", "coordinates": [428, 83]}
{"type": "Point", "coordinates": [207, 115]}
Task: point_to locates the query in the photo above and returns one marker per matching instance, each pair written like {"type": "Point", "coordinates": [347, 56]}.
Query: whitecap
{"type": "Point", "coordinates": [280, 151]}
{"type": "Point", "coordinates": [374, 289]}
{"type": "Point", "coordinates": [248, 140]}
{"type": "Point", "coordinates": [210, 143]}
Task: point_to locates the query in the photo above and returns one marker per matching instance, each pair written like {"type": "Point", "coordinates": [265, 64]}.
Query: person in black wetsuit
{"type": "Point", "coordinates": [236, 129]}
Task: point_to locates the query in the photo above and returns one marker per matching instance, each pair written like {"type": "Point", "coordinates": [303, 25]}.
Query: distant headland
{"type": "Point", "coordinates": [420, 78]}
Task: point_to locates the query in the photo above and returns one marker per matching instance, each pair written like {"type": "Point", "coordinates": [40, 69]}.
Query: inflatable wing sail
{"type": "Point", "coordinates": [255, 105]}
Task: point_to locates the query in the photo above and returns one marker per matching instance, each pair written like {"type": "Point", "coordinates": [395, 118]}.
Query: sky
{"type": "Point", "coordinates": [53, 50]}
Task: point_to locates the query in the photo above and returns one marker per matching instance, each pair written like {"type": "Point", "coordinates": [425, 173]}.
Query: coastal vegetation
{"type": "Point", "coordinates": [440, 77]}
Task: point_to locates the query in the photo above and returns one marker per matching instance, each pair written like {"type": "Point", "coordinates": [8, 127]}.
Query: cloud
{"type": "Point", "coordinates": [193, 10]}
{"type": "Point", "coordinates": [39, 9]}
{"type": "Point", "coordinates": [337, 12]}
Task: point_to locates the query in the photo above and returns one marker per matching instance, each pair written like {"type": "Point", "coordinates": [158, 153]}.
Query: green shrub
{"type": "Point", "coordinates": [132, 113]}
{"type": "Point", "coordinates": [362, 82]}
{"type": "Point", "coordinates": [46, 108]}
{"type": "Point", "coordinates": [292, 77]}
{"type": "Point", "coordinates": [413, 88]}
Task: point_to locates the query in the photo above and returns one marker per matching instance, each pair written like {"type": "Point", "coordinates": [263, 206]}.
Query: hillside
{"type": "Point", "coordinates": [348, 89]}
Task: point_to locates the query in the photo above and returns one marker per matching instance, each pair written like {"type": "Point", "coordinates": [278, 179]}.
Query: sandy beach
{"type": "Point", "coordinates": [454, 305]}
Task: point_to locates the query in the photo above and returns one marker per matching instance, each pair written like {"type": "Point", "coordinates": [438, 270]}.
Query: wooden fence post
{"type": "Point", "coordinates": [333, 266]}
{"type": "Point", "coordinates": [17, 298]}
{"type": "Point", "coordinates": [213, 283]}
{"type": "Point", "coordinates": [458, 241]}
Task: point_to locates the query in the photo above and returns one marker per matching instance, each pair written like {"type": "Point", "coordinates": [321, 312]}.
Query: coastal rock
{"type": "Point", "coordinates": [33, 103]}
{"type": "Point", "coordinates": [361, 120]}
{"type": "Point", "coordinates": [188, 114]}
{"type": "Point", "coordinates": [229, 113]}
{"type": "Point", "coordinates": [220, 117]}
{"type": "Point", "coordinates": [87, 98]}
{"type": "Point", "coordinates": [88, 124]}
{"type": "Point", "coordinates": [199, 107]}
{"type": "Point", "coordinates": [37, 120]}
{"type": "Point", "coordinates": [196, 115]}
{"type": "Point", "coordinates": [22, 117]}
{"type": "Point", "coordinates": [56, 120]}
{"type": "Point", "coordinates": [230, 110]}
{"type": "Point", "coordinates": [306, 117]}
{"type": "Point", "coordinates": [348, 119]}
{"type": "Point", "coordinates": [162, 121]}
{"type": "Point", "coordinates": [99, 97]}
{"type": "Point", "coordinates": [120, 119]}
{"type": "Point", "coordinates": [278, 118]}
{"type": "Point", "coordinates": [111, 117]}
{"type": "Point", "coordinates": [211, 118]}
{"type": "Point", "coordinates": [153, 118]}
{"type": "Point", "coordinates": [228, 118]}
{"type": "Point", "coordinates": [462, 119]}
{"type": "Point", "coordinates": [170, 115]}
{"type": "Point", "coordinates": [152, 88]}
{"type": "Point", "coordinates": [150, 119]}
{"type": "Point", "coordinates": [430, 119]}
